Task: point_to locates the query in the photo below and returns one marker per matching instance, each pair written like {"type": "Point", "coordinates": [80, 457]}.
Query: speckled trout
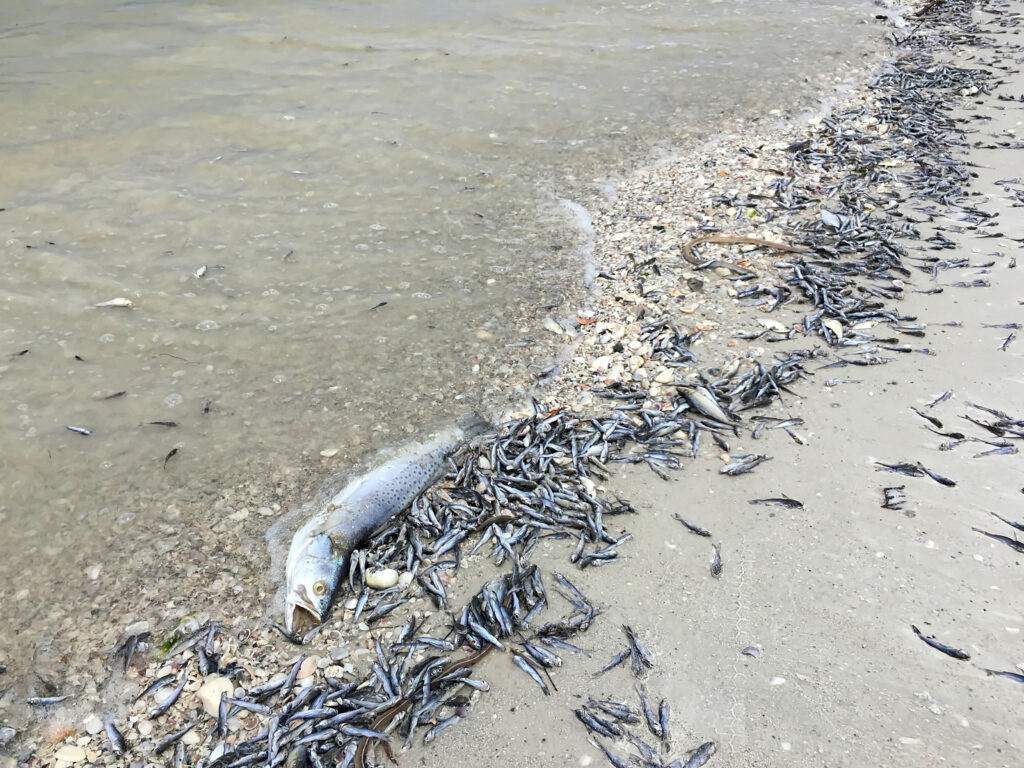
{"type": "Point", "coordinates": [320, 549]}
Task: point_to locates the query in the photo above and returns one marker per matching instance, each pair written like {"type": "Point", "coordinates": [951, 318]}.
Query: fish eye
{"type": "Point", "coordinates": [319, 588]}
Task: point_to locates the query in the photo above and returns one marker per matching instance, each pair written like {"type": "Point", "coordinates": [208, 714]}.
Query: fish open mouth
{"type": "Point", "coordinates": [298, 607]}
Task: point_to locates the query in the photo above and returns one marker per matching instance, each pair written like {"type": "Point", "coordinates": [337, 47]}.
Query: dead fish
{"type": "Point", "coordinates": [597, 724]}
{"type": "Point", "coordinates": [1007, 326]}
{"type": "Point", "coordinates": [45, 701]}
{"type": "Point", "coordinates": [743, 463]}
{"type": "Point", "coordinates": [716, 562]}
{"type": "Point", "coordinates": [752, 651]}
{"type": "Point", "coordinates": [702, 400]}
{"type": "Point", "coordinates": [117, 743]}
{"type": "Point", "coordinates": [949, 650]}
{"type": "Point", "coordinates": [618, 659]}
{"type": "Point", "coordinates": [157, 711]}
{"type": "Point", "coordinates": [1002, 450]}
{"type": "Point", "coordinates": [931, 419]}
{"type": "Point", "coordinates": [528, 668]}
{"type": "Point", "coordinates": [941, 398]}
{"type": "Point", "coordinates": [903, 468]}
{"type": "Point", "coordinates": [120, 301]}
{"type": "Point", "coordinates": [320, 548]}
{"type": "Point", "coordinates": [1007, 342]}
{"type": "Point", "coordinates": [693, 528]}
{"type": "Point", "coordinates": [156, 685]}
{"type": "Point", "coordinates": [937, 477]}
{"type": "Point", "coordinates": [653, 723]}
{"type": "Point", "coordinates": [1015, 676]}
{"type": "Point", "coordinates": [1011, 523]}
{"type": "Point", "coordinates": [1004, 539]}
{"type": "Point", "coordinates": [700, 755]}
{"type": "Point", "coordinates": [614, 759]}
{"type": "Point", "coordinates": [80, 430]}
{"type": "Point", "coordinates": [894, 497]}
{"type": "Point", "coordinates": [784, 501]}
{"type": "Point", "coordinates": [170, 455]}
{"type": "Point", "coordinates": [640, 657]}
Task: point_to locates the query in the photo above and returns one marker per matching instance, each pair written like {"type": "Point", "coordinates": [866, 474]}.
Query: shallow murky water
{"type": "Point", "coordinates": [335, 222]}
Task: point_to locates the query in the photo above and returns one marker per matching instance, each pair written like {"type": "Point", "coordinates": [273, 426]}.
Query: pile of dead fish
{"type": "Point", "coordinates": [536, 478]}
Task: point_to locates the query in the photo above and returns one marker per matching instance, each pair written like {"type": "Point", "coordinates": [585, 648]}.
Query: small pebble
{"type": "Point", "coordinates": [92, 725]}
{"type": "Point", "coordinates": [211, 689]}
{"type": "Point", "coordinates": [70, 753]}
{"type": "Point", "coordinates": [382, 579]}
{"type": "Point", "coordinates": [329, 453]}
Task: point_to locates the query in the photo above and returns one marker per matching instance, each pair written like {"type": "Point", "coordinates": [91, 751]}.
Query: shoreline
{"type": "Point", "coordinates": [580, 373]}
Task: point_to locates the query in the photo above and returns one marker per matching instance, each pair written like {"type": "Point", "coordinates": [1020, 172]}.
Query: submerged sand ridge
{"type": "Point", "coordinates": [799, 651]}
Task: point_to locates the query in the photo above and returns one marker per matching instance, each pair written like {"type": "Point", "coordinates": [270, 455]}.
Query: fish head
{"type": "Point", "coordinates": [312, 574]}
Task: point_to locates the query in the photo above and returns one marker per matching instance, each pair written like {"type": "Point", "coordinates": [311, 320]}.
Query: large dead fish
{"type": "Point", "coordinates": [320, 548]}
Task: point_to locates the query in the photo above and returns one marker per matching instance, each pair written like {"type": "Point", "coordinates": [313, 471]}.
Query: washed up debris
{"type": "Point", "coordinates": [895, 497]}
{"type": "Point", "coordinates": [946, 649]}
{"type": "Point", "coordinates": [120, 301]}
{"type": "Point", "coordinates": [784, 501]}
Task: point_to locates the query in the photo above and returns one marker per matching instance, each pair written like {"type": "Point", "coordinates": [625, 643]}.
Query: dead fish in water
{"type": "Point", "coordinates": [949, 650]}
{"type": "Point", "coordinates": [321, 547]}
{"type": "Point", "coordinates": [45, 701]}
{"type": "Point", "coordinates": [894, 497]}
{"type": "Point", "coordinates": [743, 463]}
{"type": "Point", "coordinates": [1004, 539]}
{"type": "Point", "coordinates": [784, 501]}
{"type": "Point", "coordinates": [716, 562]}
{"type": "Point", "coordinates": [1015, 676]}
{"type": "Point", "coordinates": [693, 528]}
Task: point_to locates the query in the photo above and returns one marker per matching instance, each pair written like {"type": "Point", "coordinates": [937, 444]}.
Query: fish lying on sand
{"type": "Point", "coordinates": [320, 548]}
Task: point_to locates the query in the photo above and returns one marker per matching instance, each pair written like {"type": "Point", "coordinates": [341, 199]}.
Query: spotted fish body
{"type": "Point", "coordinates": [321, 547]}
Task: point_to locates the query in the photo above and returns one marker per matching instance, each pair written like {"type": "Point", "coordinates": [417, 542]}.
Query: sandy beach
{"type": "Point", "coordinates": [828, 593]}
{"type": "Point", "coordinates": [801, 649]}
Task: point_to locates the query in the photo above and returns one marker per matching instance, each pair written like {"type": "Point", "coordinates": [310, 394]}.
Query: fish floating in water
{"type": "Point", "coordinates": [320, 548]}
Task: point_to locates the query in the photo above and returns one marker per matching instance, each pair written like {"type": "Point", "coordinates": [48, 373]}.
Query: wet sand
{"type": "Point", "coordinates": [827, 593]}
